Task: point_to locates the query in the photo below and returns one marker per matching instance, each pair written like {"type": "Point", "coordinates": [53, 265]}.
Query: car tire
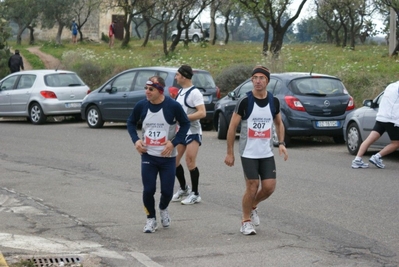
{"type": "Point", "coordinates": [36, 114]}
{"type": "Point", "coordinates": [287, 138]}
{"type": "Point", "coordinates": [222, 127]}
{"type": "Point", "coordinates": [353, 138]}
{"type": "Point", "coordinates": [173, 38]}
{"type": "Point", "coordinates": [196, 39]}
{"type": "Point", "coordinates": [94, 118]}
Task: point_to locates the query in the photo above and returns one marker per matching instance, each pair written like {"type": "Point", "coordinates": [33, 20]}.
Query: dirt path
{"type": "Point", "coordinates": [49, 61]}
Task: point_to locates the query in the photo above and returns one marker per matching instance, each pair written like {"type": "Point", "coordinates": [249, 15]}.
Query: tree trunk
{"type": "Point", "coordinates": [31, 36]}
{"type": "Point", "coordinates": [59, 33]}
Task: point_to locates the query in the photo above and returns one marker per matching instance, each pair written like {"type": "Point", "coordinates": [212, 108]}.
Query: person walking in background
{"type": "Point", "coordinates": [192, 101]}
{"type": "Point", "coordinates": [111, 34]}
{"type": "Point", "coordinates": [74, 30]}
{"type": "Point", "coordinates": [15, 62]}
{"type": "Point", "coordinates": [387, 120]}
{"type": "Point", "coordinates": [159, 115]}
{"type": "Point", "coordinates": [256, 111]}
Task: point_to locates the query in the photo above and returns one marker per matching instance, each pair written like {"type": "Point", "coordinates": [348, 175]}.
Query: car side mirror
{"type": "Point", "coordinates": [368, 103]}
{"type": "Point", "coordinates": [232, 95]}
{"type": "Point", "coordinates": [108, 89]}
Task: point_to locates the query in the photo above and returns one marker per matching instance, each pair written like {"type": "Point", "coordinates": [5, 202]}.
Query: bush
{"type": "Point", "coordinates": [233, 76]}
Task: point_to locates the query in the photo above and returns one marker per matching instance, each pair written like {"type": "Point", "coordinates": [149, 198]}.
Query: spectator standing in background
{"type": "Point", "coordinates": [74, 30]}
{"type": "Point", "coordinates": [111, 34]}
{"type": "Point", "coordinates": [15, 62]}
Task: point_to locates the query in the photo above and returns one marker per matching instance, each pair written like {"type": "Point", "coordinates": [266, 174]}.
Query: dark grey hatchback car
{"type": "Point", "coordinates": [310, 104]}
{"type": "Point", "coordinates": [115, 100]}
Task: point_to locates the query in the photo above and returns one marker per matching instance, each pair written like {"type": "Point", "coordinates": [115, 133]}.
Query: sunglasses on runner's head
{"type": "Point", "coordinates": [150, 86]}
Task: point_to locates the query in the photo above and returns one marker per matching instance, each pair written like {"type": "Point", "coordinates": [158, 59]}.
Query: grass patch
{"type": "Point", "coordinates": [365, 71]}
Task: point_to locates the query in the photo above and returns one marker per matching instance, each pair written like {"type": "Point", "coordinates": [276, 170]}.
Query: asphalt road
{"type": "Point", "coordinates": [68, 190]}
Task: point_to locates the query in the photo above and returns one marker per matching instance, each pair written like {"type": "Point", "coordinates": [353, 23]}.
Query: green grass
{"type": "Point", "coordinates": [365, 71]}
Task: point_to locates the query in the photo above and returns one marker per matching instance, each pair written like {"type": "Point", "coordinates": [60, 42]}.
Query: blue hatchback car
{"type": "Point", "coordinates": [310, 104]}
{"type": "Point", "coordinates": [115, 99]}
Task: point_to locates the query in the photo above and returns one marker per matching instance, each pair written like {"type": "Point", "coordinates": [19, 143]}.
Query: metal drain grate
{"type": "Point", "coordinates": [55, 261]}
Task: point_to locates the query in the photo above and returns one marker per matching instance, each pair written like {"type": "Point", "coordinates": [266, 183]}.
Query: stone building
{"type": "Point", "coordinates": [96, 25]}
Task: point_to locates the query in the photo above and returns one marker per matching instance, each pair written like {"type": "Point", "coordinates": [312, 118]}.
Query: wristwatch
{"type": "Point", "coordinates": [281, 143]}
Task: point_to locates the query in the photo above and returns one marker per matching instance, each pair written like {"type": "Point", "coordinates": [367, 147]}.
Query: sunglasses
{"type": "Point", "coordinates": [149, 88]}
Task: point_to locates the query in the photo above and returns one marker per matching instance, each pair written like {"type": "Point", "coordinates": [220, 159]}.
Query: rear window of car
{"type": "Point", "coordinates": [203, 80]}
{"type": "Point", "coordinates": [63, 80]}
{"type": "Point", "coordinates": [317, 86]}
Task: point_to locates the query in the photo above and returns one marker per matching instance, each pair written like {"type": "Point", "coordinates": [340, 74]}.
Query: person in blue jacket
{"type": "Point", "coordinates": [164, 126]}
{"type": "Point", "coordinates": [74, 30]}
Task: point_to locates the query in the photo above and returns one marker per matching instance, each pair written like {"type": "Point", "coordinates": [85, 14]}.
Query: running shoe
{"type": "Point", "coordinates": [178, 196]}
{"type": "Point", "coordinates": [165, 218]}
{"type": "Point", "coordinates": [191, 199]}
{"type": "Point", "coordinates": [254, 217]}
{"type": "Point", "coordinates": [151, 226]}
{"type": "Point", "coordinates": [247, 228]}
{"type": "Point", "coordinates": [356, 164]}
{"type": "Point", "coordinates": [377, 161]}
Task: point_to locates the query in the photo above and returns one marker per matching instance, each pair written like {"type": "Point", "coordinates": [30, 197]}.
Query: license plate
{"type": "Point", "coordinates": [206, 98]}
{"type": "Point", "coordinates": [73, 105]}
{"type": "Point", "coordinates": [323, 124]}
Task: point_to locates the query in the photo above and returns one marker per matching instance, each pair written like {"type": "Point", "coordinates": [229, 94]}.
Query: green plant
{"type": "Point", "coordinates": [233, 76]}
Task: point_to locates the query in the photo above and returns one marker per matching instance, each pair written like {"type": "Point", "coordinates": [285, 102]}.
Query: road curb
{"type": "Point", "coordinates": [3, 262]}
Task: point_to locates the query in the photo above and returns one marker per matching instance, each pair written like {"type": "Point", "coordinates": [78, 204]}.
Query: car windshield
{"type": "Point", "coordinates": [63, 79]}
{"type": "Point", "coordinates": [319, 86]}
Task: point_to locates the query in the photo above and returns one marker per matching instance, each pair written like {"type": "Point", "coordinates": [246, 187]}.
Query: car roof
{"type": "Point", "coordinates": [42, 72]}
{"type": "Point", "coordinates": [294, 75]}
{"type": "Point", "coordinates": [161, 68]}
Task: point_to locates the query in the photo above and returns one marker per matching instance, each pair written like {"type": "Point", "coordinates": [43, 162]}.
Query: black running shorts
{"type": "Point", "coordinates": [254, 169]}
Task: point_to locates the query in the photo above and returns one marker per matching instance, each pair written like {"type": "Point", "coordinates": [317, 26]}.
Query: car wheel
{"type": "Point", "coordinates": [222, 127]}
{"type": "Point", "coordinates": [339, 139]}
{"type": "Point", "coordinates": [353, 138]}
{"type": "Point", "coordinates": [196, 39]}
{"type": "Point", "coordinates": [36, 114]}
{"type": "Point", "coordinates": [173, 38]}
{"type": "Point", "coordinates": [287, 139]}
{"type": "Point", "coordinates": [94, 119]}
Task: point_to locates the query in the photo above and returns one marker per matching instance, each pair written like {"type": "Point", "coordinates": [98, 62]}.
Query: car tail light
{"type": "Point", "coordinates": [88, 92]}
{"type": "Point", "coordinates": [173, 91]}
{"type": "Point", "coordinates": [351, 104]}
{"type": "Point", "coordinates": [294, 103]}
{"type": "Point", "coordinates": [48, 94]}
{"type": "Point", "coordinates": [218, 92]}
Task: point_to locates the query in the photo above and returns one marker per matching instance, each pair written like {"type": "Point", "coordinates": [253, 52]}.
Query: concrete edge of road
{"type": "Point", "coordinates": [3, 262]}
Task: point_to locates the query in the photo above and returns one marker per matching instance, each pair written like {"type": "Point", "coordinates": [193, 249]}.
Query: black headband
{"type": "Point", "coordinates": [262, 70]}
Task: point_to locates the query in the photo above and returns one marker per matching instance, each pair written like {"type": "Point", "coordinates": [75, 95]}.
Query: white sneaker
{"type": "Point", "coordinates": [357, 164]}
{"type": "Point", "coordinates": [165, 218]}
{"type": "Point", "coordinates": [191, 199]}
{"type": "Point", "coordinates": [247, 228]}
{"type": "Point", "coordinates": [254, 217]}
{"type": "Point", "coordinates": [178, 196]}
{"type": "Point", "coordinates": [151, 226]}
{"type": "Point", "coordinates": [377, 161]}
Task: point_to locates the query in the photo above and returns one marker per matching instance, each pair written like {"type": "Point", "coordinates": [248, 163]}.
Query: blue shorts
{"type": "Point", "coordinates": [192, 137]}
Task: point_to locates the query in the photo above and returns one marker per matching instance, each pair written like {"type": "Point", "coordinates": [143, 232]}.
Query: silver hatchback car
{"type": "Point", "coordinates": [36, 94]}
